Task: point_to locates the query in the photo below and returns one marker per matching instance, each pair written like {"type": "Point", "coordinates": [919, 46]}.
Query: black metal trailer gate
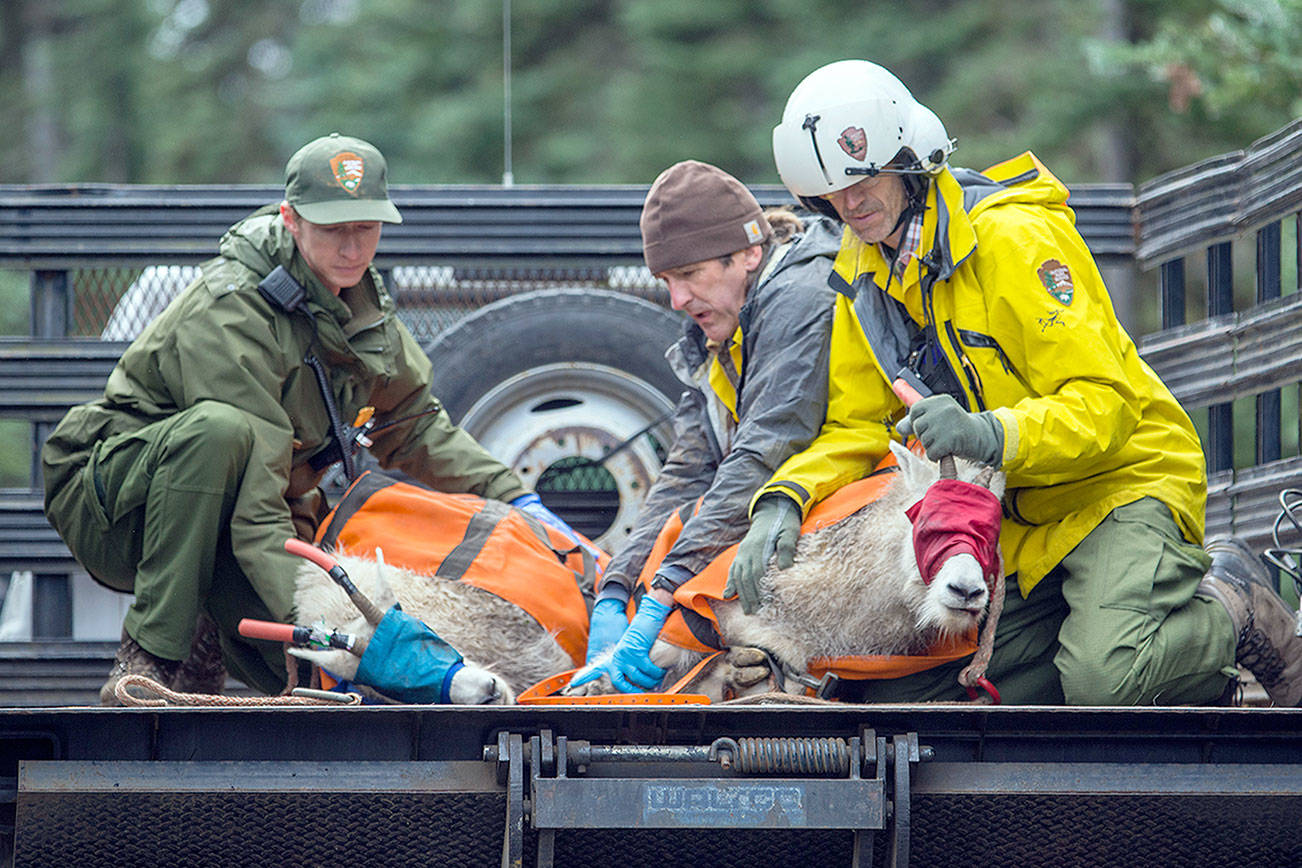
{"type": "Point", "coordinates": [746, 786]}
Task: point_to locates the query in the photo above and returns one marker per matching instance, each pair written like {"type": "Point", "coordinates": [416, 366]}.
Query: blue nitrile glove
{"type": "Point", "coordinates": [630, 667]}
{"type": "Point", "coordinates": [945, 428]}
{"type": "Point", "coordinates": [608, 622]}
{"type": "Point", "coordinates": [774, 530]}
{"type": "Point", "coordinates": [532, 504]}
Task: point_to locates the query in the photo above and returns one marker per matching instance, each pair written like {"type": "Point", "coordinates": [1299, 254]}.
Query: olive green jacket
{"type": "Point", "coordinates": [220, 340]}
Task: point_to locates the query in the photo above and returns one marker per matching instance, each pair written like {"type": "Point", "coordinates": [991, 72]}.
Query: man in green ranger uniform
{"type": "Point", "coordinates": [206, 451]}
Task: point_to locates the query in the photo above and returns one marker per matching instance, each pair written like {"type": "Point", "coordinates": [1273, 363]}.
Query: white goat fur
{"type": "Point", "coordinates": [855, 587]}
{"type": "Point", "coordinates": [505, 648]}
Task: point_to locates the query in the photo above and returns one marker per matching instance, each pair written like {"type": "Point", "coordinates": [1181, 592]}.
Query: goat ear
{"type": "Point", "coordinates": [913, 468]}
{"type": "Point", "coordinates": [384, 594]}
{"type": "Point", "coordinates": [901, 453]}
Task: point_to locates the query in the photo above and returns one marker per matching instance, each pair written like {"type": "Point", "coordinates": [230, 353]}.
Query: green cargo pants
{"type": "Point", "coordinates": [150, 514]}
{"type": "Point", "coordinates": [1136, 634]}
{"type": "Point", "coordinates": [1115, 623]}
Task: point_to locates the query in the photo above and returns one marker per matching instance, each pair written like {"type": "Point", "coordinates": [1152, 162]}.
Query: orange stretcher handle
{"type": "Point", "coordinates": [905, 392]}
{"type": "Point", "coordinates": [304, 550]}
{"type": "Point", "coordinates": [253, 629]}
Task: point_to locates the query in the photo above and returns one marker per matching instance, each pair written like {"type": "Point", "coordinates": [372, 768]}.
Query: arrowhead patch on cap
{"type": "Point", "coordinates": [349, 169]}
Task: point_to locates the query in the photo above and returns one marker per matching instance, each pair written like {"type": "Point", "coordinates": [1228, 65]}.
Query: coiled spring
{"type": "Point", "coordinates": [811, 756]}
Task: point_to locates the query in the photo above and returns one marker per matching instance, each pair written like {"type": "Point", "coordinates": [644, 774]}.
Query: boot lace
{"type": "Point", "coordinates": [1260, 656]}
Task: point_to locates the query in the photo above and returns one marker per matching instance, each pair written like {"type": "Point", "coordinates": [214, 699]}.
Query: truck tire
{"type": "Point", "coordinates": [552, 382]}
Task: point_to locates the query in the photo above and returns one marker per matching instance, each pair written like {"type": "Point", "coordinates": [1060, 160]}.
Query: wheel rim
{"type": "Point", "coordinates": [545, 421]}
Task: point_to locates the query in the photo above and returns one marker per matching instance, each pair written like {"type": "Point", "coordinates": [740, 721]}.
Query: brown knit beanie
{"type": "Point", "coordinates": [696, 212]}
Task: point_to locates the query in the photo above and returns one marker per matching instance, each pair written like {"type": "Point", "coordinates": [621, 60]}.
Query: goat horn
{"type": "Point", "coordinates": [983, 478]}
{"type": "Point", "coordinates": [948, 470]}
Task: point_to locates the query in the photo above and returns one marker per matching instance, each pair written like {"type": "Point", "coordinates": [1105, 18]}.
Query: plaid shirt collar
{"type": "Point", "coordinates": [909, 243]}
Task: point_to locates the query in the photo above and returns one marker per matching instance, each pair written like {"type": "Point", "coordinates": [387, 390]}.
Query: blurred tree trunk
{"type": "Point", "coordinates": [36, 21]}
{"type": "Point", "coordinates": [1117, 161]}
{"type": "Point", "coordinates": [1118, 149]}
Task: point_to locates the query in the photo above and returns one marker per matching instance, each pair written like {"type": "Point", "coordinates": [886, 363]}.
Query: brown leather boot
{"type": "Point", "coordinates": [131, 659]}
{"type": "Point", "coordinates": [203, 670]}
{"type": "Point", "coordinates": [1268, 643]}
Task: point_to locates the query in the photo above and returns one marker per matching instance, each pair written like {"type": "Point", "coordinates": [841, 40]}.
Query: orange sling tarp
{"type": "Point", "coordinates": [695, 595]}
{"type": "Point", "coordinates": [463, 537]}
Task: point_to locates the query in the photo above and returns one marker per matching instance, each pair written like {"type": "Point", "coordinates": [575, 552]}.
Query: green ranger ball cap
{"type": "Point", "coordinates": [339, 179]}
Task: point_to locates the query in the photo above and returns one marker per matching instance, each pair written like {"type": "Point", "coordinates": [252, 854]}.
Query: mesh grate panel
{"type": "Point", "coordinates": [1134, 831]}
{"type": "Point", "coordinates": [466, 830]}
{"type": "Point", "coordinates": [261, 829]}
{"type": "Point", "coordinates": [582, 492]}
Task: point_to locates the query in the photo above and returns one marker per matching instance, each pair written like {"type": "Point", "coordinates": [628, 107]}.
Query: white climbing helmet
{"type": "Point", "coordinates": [846, 121]}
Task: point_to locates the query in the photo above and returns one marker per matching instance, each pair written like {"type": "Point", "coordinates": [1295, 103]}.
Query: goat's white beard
{"type": "Point", "coordinates": [942, 610]}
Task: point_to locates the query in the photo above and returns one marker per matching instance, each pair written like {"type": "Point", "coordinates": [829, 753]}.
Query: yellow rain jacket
{"type": "Point", "coordinates": [1022, 325]}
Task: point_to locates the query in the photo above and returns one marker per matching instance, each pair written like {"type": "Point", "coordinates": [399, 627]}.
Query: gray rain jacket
{"type": "Point", "coordinates": [786, 325]}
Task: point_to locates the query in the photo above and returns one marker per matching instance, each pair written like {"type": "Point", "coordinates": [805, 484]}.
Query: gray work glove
{"type": "Point", "coordinates": [774, 529]}
{"type": "Point", "coordinates": [945, 428]}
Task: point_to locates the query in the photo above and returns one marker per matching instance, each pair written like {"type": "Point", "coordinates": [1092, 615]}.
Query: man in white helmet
{"type": "Point", "coordinates": [978, 288]}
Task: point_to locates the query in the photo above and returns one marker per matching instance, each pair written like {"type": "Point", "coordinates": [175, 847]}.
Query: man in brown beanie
{"type": "Point", "coordinates": [753, 361]}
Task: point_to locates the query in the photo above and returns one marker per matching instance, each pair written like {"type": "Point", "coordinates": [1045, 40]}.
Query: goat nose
{"type": "Point", "coordinates": [966, 593]}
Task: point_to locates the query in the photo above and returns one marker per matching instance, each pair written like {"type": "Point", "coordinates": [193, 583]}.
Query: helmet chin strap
{"type": "Point", "coordinates": [915, 187]}
{"type": "Point", "coordinates": [915, 191]}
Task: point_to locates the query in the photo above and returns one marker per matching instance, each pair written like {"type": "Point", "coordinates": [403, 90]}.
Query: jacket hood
{"type": "Point", "coordinates": [1022, 180]}
{"type": "Point", "coordinates": [261, 241]}
{"type": "Point", "coordinates": [820, 237]}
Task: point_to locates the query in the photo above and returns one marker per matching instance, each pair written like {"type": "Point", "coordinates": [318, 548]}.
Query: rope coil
{"type": "Point", "coordinates": [168, 697]}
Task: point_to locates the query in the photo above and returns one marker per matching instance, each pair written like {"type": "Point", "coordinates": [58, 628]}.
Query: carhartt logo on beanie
{"type": "Point", "coordinates": [694, 212]}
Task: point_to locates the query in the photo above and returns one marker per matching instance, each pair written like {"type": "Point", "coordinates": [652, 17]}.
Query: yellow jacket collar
{"type": "Point", "coordinates": [953, 202]}
{"type": "Point", "coordinates": [944, 217]}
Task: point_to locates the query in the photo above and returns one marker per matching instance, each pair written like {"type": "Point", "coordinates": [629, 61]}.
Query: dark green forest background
{"type": "Point", "coordinates": [612, 91]}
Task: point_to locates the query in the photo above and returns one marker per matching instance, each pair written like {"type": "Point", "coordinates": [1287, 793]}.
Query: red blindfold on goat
{"type": "Point", "coordinates": [952, 518]}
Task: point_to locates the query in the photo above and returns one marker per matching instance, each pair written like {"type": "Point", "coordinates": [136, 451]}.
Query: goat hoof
{"type": "Point", "coordinates": [599, 687]}
{"type": "Point", "coordinates": [472, 686]}
{"type": "Point", "coordinates": [746, 666]}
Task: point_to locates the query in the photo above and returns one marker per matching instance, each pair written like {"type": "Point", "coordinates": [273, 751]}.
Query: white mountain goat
{"type": "Point", "coordinates": [505, 649]}
{"type": "Point", "coordinates": [854, 589]}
